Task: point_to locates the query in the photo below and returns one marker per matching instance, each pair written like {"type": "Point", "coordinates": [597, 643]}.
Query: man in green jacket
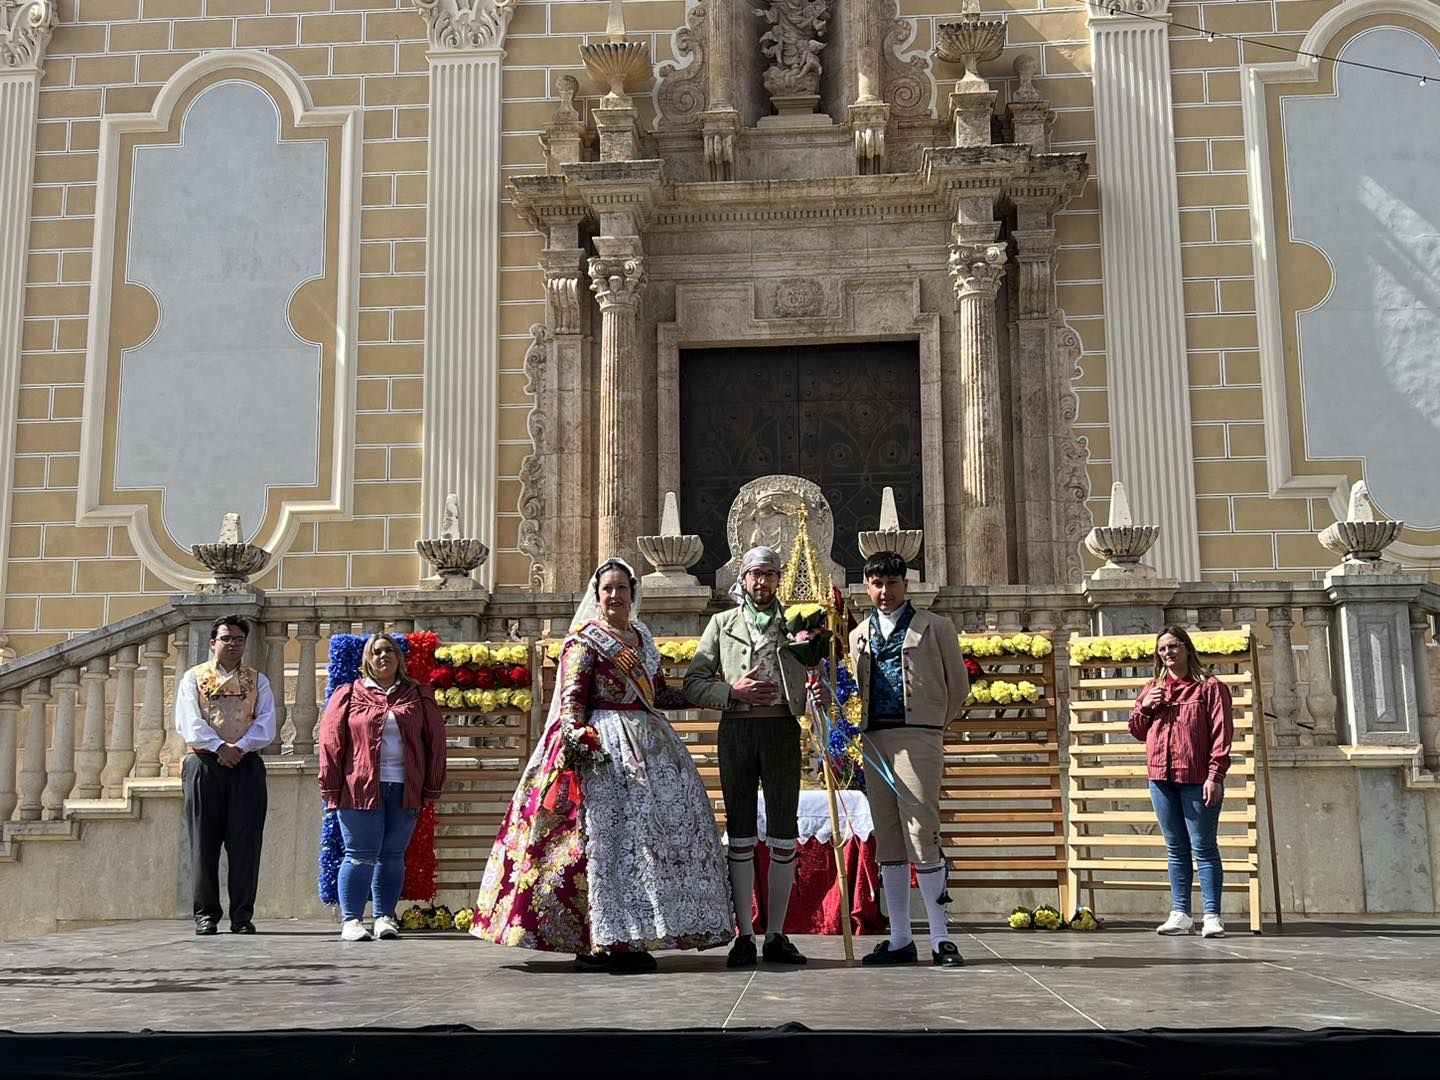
{"type": "Point", "coordinates": [740, 670]}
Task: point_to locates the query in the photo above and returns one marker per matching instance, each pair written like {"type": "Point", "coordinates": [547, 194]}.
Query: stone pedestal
{"type": "Point", "coordinates": [1375, 658]}
{"type": "Point", "coordinates": [1128, 606]}
{"type": "Point", "coordinates": [970, 112]}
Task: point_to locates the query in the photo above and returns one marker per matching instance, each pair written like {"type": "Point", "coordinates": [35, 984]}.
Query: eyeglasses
{"type": "Point", "coordinates": [225, 639]}
{"type": "Point", "coordinates": [763, 575]}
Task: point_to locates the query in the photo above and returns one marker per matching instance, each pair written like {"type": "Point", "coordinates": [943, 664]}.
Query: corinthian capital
{"type": "Point", "coordinates": [25, 29]}
{"type": "Point", "coordinates": [617, 280]}
{"type": "Point", "coordinates": [1100, 9]}
{"type": "Point", "coordinates": [462, 25]}
{"type": "Point", "coordinates": [977, 269]}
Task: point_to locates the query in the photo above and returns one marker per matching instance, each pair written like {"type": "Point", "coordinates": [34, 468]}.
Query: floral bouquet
{"type": "Point", "coordinates": [1021, 919]}
{"type": "Point", "coordinates": [582, 746]}
{"type": "Point", "coordinates": [1046, 917]}
{"type": "Point", "coordinates": [1084, 919]}
{"type": "Point", "coordinates": [807, 634]}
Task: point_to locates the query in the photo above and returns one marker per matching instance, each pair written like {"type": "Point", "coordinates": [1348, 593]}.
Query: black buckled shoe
{"type": "Point", "coordinates": [884, 956]}
{"type": "Point", "coordinates": [205, 926]}
{"type": "Point", "coordinates": [947, 954]}
{"type": "Point", "coordinates": [632, 963]}
{"type": "Point", "coordinates": [242, 928]}
{"type": "Point", "coordinates": [779, 950]}
{"type": "Point", "coordinates": [742, 953]}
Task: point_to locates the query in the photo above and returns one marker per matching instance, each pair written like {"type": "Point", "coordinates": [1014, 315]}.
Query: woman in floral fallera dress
{"type": "Point", "coordinates": [609, 848]}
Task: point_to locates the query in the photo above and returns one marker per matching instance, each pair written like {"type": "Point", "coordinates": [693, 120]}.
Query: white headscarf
{"type": "Point", "coordinates": [754, 558]}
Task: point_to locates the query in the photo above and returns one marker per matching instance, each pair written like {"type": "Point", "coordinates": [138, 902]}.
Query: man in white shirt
{"type": "Point", "coordinates": [225, 712]}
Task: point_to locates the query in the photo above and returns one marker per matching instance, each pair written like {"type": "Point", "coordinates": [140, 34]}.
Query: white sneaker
{"type": "Point", "coordinates": [1177, 923]}
{"type": "Point", "coordinates": [385, 928]}
{"type": "Point", "coordinates": [354, 930]}
{"type": "Point", "coordinates": [1213, 927]}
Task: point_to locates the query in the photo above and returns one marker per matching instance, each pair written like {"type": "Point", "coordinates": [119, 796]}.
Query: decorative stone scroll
{"type": "Point", "coordinates": [908, 84]}
{"type": "Point", "coordinates": [681, 91]}
{"type": "Point", "coordinates": [466, 24]}
{"type": "Point", "coordinates": [25, 30]}
{"type": "Point", "coordinates": [531, 540]}
{"type": "Point", "coordinates": [767, 511]}
{"type": "Point", "coordinates": [1072, 455]}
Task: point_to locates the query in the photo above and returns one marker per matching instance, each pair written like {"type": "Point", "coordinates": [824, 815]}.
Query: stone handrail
{"type": "Point", "coordinates": [101, 703]}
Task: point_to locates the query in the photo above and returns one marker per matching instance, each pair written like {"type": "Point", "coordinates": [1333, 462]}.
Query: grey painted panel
{"type": "Point", "coordinates": [223, 400]}
{"type": "Point", "coordinates": [1394, 844]}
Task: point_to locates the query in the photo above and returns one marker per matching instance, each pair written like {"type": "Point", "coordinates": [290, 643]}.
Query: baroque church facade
{"type": "Point", "coordinates": [324, 263]}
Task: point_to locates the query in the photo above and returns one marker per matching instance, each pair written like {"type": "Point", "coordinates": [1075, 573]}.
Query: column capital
{"type": "Point", "coordinates": [464, 26]}
{"type": "Point", "coordinates": [562, 267]}
{"type": "Point", "coordinates": [617, 276]}
{"type": "Point", "coordinates": [977, 269]}
{"type": "Point", "coordinates": [25, 30]}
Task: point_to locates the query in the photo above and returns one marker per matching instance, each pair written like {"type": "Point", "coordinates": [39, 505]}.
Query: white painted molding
{"type": "Point", "coordinates": [1332, 487]}
{"type": "Point", "coordinates": [25, 30]}
{"type": "Point", "coordinates": [136, 517]}
{"type": "Point", "coordinates": [19, 101]}
{"type": "Point", "coordinates": [462, 297]}
{"type": "Point", "coordinates": [1149, 381]}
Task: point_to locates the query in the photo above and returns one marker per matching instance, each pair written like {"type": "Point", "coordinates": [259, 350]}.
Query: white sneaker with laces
{"type": "Point", "coordinates": [385, 928]}
{"type": "Point", "coordinates": [354, 930]}
{"type": "Point", "coordinates": [1213, 927]}
{"type": "Point", "coordinates": [1177, 923]}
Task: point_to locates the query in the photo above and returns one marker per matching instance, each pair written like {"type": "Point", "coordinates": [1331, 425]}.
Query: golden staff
{"type": "Point", "coordinates": [803, 582]}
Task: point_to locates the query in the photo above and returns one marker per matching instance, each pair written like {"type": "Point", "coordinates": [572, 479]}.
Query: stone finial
{"type": "Point", "coordinates": [615, 62]}
{"type": "Point", "coordinates": [1362, 537]}
{"type": "Point", "coordinates": [971, 41]}
{"type": "Point", "coordinates": [672, 553]}
{"type": "Point", "coordinates": [1121, 543]}
{"type": "Point", "coordinates": [615, 21]}
{"type": "Point", "coordinates": [26, 27]}
{"type": "Point", "coordinates": [889, 536]}
{"type": "Point", "coordinates": [230, 559]}
{"type": "Point", "coordinates": [454, 557]}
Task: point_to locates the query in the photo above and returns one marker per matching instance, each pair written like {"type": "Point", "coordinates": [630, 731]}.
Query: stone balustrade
{"type": "Point", "coordinates": [80, 721]}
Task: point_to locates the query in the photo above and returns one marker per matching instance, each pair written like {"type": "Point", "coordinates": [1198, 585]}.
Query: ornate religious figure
{"type": "Point", "coordinates": [793, 45]}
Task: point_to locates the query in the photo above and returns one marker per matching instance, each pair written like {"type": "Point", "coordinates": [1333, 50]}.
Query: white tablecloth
{"type": "Point", "coordinates": [814, 816]}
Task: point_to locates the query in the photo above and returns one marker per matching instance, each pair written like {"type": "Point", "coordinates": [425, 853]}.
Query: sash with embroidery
{"type": "Point", "coordinates": [626, 660]}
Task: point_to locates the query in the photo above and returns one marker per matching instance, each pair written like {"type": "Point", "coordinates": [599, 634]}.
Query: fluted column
{"type": "Point", "coordinates": [25, 29]}
{"type": "Point", "coordinates": [978, 270]}
{"type": "Point", "coordinates": [120, 754]}
{"type": "Point", "coordinates": [32, 770]}
{"type": "Point", "coordinates": [462, 259]}
{"type": "Point", "coordinates": [61, 777]}
{"type": "Point", "coordinates": [1149, 380]}
{"type": "Point", "coordinates": [617, 276]}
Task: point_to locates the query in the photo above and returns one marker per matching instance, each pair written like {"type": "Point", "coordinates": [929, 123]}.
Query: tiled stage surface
{"type": "Point", "coordinates": [158, 976]}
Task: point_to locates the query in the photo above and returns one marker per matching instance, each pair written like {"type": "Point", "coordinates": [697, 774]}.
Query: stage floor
{"type": "Point", "coordinates": [158, 976]}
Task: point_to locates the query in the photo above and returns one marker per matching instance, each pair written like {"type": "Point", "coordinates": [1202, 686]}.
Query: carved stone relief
{"type": "Point", "coordinates": [466, 24]}
{"type": "Point", "coordinates": [908, 84]}
{"type": "Point", "coordinates": [681, 91]}
{"type": "Point", "coordinates": [766, 511]}
{"type": "Point", "coordinates": [793, 45]}
{"type": "Point", "coordinates": [25, 30]}
{"type": "Point", "coordinates": [1072, 479]}
{"type": "Point", "coordinates": [533, 469]}
{"type": "Point", "coordinates": [798, 298]}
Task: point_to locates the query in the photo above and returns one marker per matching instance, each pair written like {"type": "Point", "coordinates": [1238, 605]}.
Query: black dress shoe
{"type": "Point", "coordinates": [632, 963]}
{"type": "Point", "coordinates": [205, 926]}
{"type": "Point", "coordinates": [884, 956]}
{"type": "Point", "coordinates": [947, 955]}
{"type": "Point", "coordinates": [742, 953]}
{"type": "Point", "coordinates": [595, 961]}
{"type": "Point", "coordinates": [242, 928]}
{"type": "Point", "coordinates": [779, 950]}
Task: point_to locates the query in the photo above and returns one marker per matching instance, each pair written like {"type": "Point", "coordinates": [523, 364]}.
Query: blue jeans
{"type": "Point", "coordinates": [1189, 826]}
{"type": "Point", "coordinates": [374, 863]}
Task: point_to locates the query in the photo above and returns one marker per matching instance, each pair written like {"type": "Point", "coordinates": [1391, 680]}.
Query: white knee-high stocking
{"type": "Point", "coordinates": [932, 890]}
{"type": "Point", "coordinates": [895, 879]}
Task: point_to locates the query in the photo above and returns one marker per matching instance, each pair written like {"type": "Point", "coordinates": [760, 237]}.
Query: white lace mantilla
{"type": "Point", "coordinates": [656, 868]}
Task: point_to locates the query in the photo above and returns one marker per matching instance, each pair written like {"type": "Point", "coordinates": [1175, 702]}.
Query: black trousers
{"type": "Point", "coordinates": [224, 807]}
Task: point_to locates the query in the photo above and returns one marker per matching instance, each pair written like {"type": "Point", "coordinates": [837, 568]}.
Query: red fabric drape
{"type": "Point", "coordinates": [815, 904]}
{"type": "Point", "coordinates": [420, 858]}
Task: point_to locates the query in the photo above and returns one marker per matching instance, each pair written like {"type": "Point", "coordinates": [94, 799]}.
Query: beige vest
{"type": "Point", "coordinates": [228, 704]}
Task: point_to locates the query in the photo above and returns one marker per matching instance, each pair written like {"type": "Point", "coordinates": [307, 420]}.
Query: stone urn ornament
{"type": "Point", "coordinates": [672, 552]}
{"type": "Point", "coordinates": [454, 557]}
{"type": "Point", "coordinates": [889, 536]}
{"type": "Point", "coordinates": [615, 62]}
{"type": "Point", "coordinates": [1121, 543]}
{"type": "Point", "coordinates": [1363, 536]}
{"type": "Point", "coordinates": [230, 559]}
{"type": "Point", "coordinates": [970, 42]}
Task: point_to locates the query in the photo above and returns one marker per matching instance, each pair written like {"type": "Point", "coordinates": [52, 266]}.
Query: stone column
{"type": "Point", "coordinates": [1424, 690]}
{"type": "Point", "coordinates": [1140, 247]}
{"type": "Point", "coordinates": [978, 269]}
{"type": "Point", "coordinates": [25, 29]}
{"type": "Point", "coordinates": [9, 741]}
{"type": "Point", "coordinates": [120, 755]}
{"type": "Point", "coordinates": [617, 276]}
{"type": "Point", "coordinates": [1283, 699]}
{"type": "Point", "coordinates": [462, 263]}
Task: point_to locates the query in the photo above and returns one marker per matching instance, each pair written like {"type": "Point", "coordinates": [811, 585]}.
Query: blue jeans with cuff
{"type": "Point", "coordinates": [374, 863]}
{"type": "Point", "coordinates": [1189, 826]}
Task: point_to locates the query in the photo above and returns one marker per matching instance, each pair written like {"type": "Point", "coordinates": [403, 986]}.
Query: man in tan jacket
{"type": "Point", "coordinates": [912, 682]}
{"type": "Point", "coordinates": [759, 688]}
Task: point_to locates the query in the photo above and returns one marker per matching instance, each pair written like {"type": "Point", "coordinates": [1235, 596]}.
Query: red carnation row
{"type": "Point", "coordinates": [470, 677]}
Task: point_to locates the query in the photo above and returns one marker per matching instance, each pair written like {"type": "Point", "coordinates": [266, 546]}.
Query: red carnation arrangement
{"type": "Point", "coordinates": [465, 678]}
{"type": "Point", "coordinates": [442, 678]}
{"type": "Point", "coordinates": [973, 669]}
{"type": "Point", "coordinates": [484, 679]}
{"type": "Point", "coordinates": [502, 676]}
{"type": "Point", "coordinates": [519, 676]}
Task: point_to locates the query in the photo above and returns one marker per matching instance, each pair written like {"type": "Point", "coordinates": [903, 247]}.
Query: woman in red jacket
{"type": "Point", "coordinates": [382, 757]}
{"type": "Point", "coordinates": [1184, 716]}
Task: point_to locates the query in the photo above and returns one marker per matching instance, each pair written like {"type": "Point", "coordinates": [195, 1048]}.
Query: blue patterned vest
{"type": "Point", "coordinates": [887, 677]}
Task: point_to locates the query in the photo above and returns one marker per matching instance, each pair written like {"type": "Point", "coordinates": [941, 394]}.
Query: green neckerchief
{"type": "Point", "coordinates": [761, 620]}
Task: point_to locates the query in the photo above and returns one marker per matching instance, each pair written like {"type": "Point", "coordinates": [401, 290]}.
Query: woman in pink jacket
{"type": "Point", "coordinates": [1184, 717]}
{"type": "Point", "coordinates": [382, 757]}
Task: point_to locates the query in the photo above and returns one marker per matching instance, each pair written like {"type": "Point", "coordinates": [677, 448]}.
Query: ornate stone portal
{"type": "Point", "coordinates": [719, 230]}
